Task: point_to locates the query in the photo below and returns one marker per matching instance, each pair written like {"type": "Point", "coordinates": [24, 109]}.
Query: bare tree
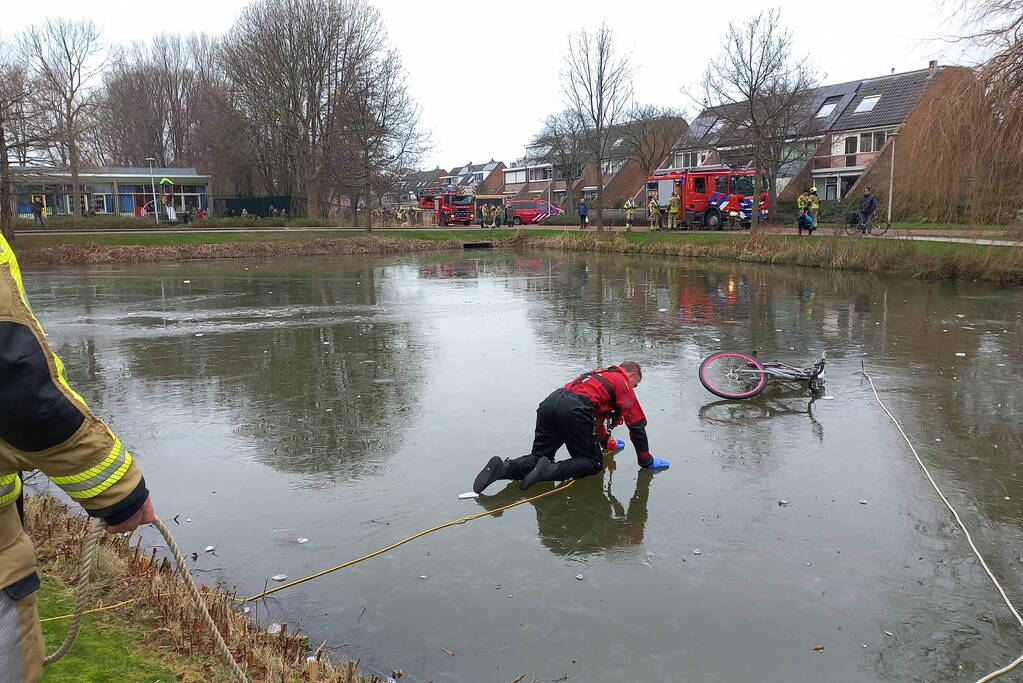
{"type": "Point", "coordinates": [13, 114]}
{"type": "Point", "coordinates": [561, 143]}
{"type": "Point", "coordinates": [597, 85]}
{"type": "Point", "coordinates": [650, 134]}
{"type": "Point", "coordinates": [381, 125]}
{"type": "Point", "coordinates": [64, 61]}
{"type": "Point", "coordinates": [761, 91]}
{"type": "Point", "coordinates": [292, 65]}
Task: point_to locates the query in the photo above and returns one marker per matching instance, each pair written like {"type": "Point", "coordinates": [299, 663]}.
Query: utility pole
{"type": "Point", "coordinates": [152, 182]}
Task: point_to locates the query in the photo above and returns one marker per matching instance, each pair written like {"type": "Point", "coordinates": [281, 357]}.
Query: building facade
{"type": "Point", "coordinates": [412, 184]}
{"type": "Point", "coordinates": [851, 124]}
{"type": "Point", "coordinates": [119, 191]}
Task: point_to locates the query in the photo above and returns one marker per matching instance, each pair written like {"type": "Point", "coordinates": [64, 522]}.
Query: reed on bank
{"type": "Point", "coordinates": [161, 631]}
{"type": "Point", "coordinates": [900, 258]}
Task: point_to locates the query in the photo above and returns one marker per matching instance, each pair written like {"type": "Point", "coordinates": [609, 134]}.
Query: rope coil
{"type": "Point", "coordinates": [85, 587]}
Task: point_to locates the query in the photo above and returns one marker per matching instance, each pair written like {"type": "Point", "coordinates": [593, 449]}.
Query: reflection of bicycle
{"type": "Point", "coordinates": [733, 414]}
{"type": "Point", "coordinates": [855, 226]}
{"type": "Point", "coordinates": [729, 374]}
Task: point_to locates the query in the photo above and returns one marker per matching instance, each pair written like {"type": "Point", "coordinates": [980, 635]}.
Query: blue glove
{"type": "Point", "coordinates": [658, 463]}
{"type": "Point", "coordinates": [619, 445]}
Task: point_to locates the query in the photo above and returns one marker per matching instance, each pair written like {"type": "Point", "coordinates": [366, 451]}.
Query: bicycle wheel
{"type": "Point", "coordinates": [853, 230]}
{"type": "Point", "coordinates": [732, 375]}
{"type": "Point", "coordinates": [878, 229]}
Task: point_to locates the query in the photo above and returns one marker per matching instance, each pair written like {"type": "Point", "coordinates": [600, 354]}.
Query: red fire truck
{"type": "Point", "coordinates": [448, 207]}
{"type": "Point", "coordinates": [711, 196]}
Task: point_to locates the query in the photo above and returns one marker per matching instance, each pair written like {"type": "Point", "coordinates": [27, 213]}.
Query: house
{"type": "Point", "coordinates": [850, 126]}
{"type": "Point", "coordinates": [535, 175]}
{"type": "Point", "coordinates": [485, 178]}
{"type": "Point", "coordinates": [411, 184]}
{"type": "Point", "coordinates": [117, 190]}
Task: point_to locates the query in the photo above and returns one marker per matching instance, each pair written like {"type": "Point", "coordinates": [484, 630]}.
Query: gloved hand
{"type": "Point", "coordinates": [658, 463]}
{"type": "Point", "coordinates": [614, 445]}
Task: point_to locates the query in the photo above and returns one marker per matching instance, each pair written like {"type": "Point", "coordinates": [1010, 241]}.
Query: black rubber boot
{"type": "Point", "coordinates": [494, 469]}
{"type": "Point", "coordinates": [545, 470]}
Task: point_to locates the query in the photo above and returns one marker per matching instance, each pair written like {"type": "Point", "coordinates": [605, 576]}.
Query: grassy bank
{"type": "Point", "coordinates": [147, 247]}
{"type": "Point", "coordinates": [160, 637]}
{"type": "Point", "coordinates": [916, 259]}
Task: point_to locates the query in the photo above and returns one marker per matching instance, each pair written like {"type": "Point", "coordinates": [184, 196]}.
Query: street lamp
{"type": "Point", "coordinates": [891, 177]}
{"type": "Point", "coordinates": [152, 182]}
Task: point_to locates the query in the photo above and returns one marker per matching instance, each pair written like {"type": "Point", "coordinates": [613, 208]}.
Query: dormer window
{"type": "Point", "coordinates": [867, 104]}
{"type": "Point", "coordinates": [828, 107]}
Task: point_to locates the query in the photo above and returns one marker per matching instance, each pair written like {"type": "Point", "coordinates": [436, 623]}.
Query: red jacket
{"type": "Point", "coordinates": [614, 402]}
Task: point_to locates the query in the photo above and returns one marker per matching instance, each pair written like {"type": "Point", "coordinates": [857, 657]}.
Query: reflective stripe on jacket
{"type": "Point", "coordinates": [45, 425]}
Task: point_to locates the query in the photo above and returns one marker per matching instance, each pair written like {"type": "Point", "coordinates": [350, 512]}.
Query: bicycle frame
{"type": "Point", "coordinates": [788, 373]}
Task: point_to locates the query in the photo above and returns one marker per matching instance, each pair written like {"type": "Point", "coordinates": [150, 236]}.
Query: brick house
{"type": "Point", "coordinates": [622, 173]}
{"type": "Point", "coordinates": [487, 178]}
{"type": "Point", "coordinates": [413, 182]}
{"type": "Point", "coordinates": [851, 126]}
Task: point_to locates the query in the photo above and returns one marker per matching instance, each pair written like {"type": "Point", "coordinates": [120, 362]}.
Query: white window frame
{"type": "Point", "coordinates": [863, 108]}
{"type": "Point", "coordinates": [832, 106]}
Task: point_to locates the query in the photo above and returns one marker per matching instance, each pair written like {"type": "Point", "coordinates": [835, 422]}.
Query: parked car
{"type": "Point", "coordinates": [532, 210]}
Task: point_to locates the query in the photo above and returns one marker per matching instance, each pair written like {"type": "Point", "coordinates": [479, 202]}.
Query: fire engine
{"type": "Point", "coordinates": [448, 206]}
{"type": "Point", "coordinates": [711, 195]}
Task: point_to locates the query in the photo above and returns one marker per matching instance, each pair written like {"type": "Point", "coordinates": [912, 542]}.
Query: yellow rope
{"type": "Point", "coordinates": [310, 577]}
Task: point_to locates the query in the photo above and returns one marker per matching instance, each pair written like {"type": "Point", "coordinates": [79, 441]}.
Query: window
{"type": "Point", "coordinates": [477, 178]}
{"type": "Point", "coordinates": [612, 166]}
{"type": "Point", "coordinates": [545, 207]}
{"type": "Point", "coordinates": [850, 145]}
{"type": "Point", "coordinates": [831, 188]}
{"type": "Point", "coordinates": [721, 183]}
{"type": "Point", "coordinates": [718, 125]}
{"type": "Point", "coordinates": [700, 185]}
{"type": "Point", "coordinates": [867, 104]}
{"type": "Point", "coordinates": [873, 142]}
{"type": "Point", "coordinates": [541, 173]}
{"type": "Point", "coordinates": [514, 177]}
{"type": "Point", "coordinates": [828, 107]}
{"type": "Point", "coordinates": [742, 184]}
{"type": "Point", "coordinates": [687, 160]}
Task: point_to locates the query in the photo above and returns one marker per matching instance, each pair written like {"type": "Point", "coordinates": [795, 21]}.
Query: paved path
{"type": "Point", "coordinates": [921, 235]}
{"type": "Point", "coordinates": [958, 240]}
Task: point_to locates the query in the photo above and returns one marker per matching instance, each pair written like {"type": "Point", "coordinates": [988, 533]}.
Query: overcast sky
{"type": "Point", "coordinates": [486, 74]}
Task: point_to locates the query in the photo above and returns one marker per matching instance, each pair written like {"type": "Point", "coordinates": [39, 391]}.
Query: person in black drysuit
{"type": "Point", "coordinates": [579, 415]}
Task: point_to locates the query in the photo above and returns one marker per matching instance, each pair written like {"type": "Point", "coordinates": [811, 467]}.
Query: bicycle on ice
{"type": "Point", "coordinates": [734, 375]}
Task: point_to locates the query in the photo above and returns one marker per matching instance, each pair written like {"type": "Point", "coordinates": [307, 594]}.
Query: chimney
{"type": "Point", "coordinates": [932, 68]}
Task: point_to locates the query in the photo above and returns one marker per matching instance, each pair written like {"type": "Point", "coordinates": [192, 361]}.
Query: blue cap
{"type": "Point", "coordinates": [619, 444]}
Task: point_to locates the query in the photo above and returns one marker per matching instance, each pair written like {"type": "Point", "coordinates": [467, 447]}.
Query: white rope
{"type": "Point", "coordinates": [85, 587]}
{"type": "Point", "coordinates": [962, 525]}
{"type": "Point", "coordinates": [82, 593]}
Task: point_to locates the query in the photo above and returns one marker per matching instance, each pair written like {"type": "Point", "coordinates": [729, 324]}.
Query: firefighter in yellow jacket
{"type": "Point", "coordinates": [45, 425]}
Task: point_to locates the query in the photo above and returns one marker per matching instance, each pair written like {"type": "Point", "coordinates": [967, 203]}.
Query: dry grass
{"type": "Point", "coordinates": [165, 617]}
{"type": "Point", "coordinates": [68, 254]}
{"type": "Point", "coordinates": [921, 260]}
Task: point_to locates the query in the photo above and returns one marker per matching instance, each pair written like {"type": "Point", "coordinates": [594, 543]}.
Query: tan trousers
{"type": "Point", "coordinates": [21, 640]}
